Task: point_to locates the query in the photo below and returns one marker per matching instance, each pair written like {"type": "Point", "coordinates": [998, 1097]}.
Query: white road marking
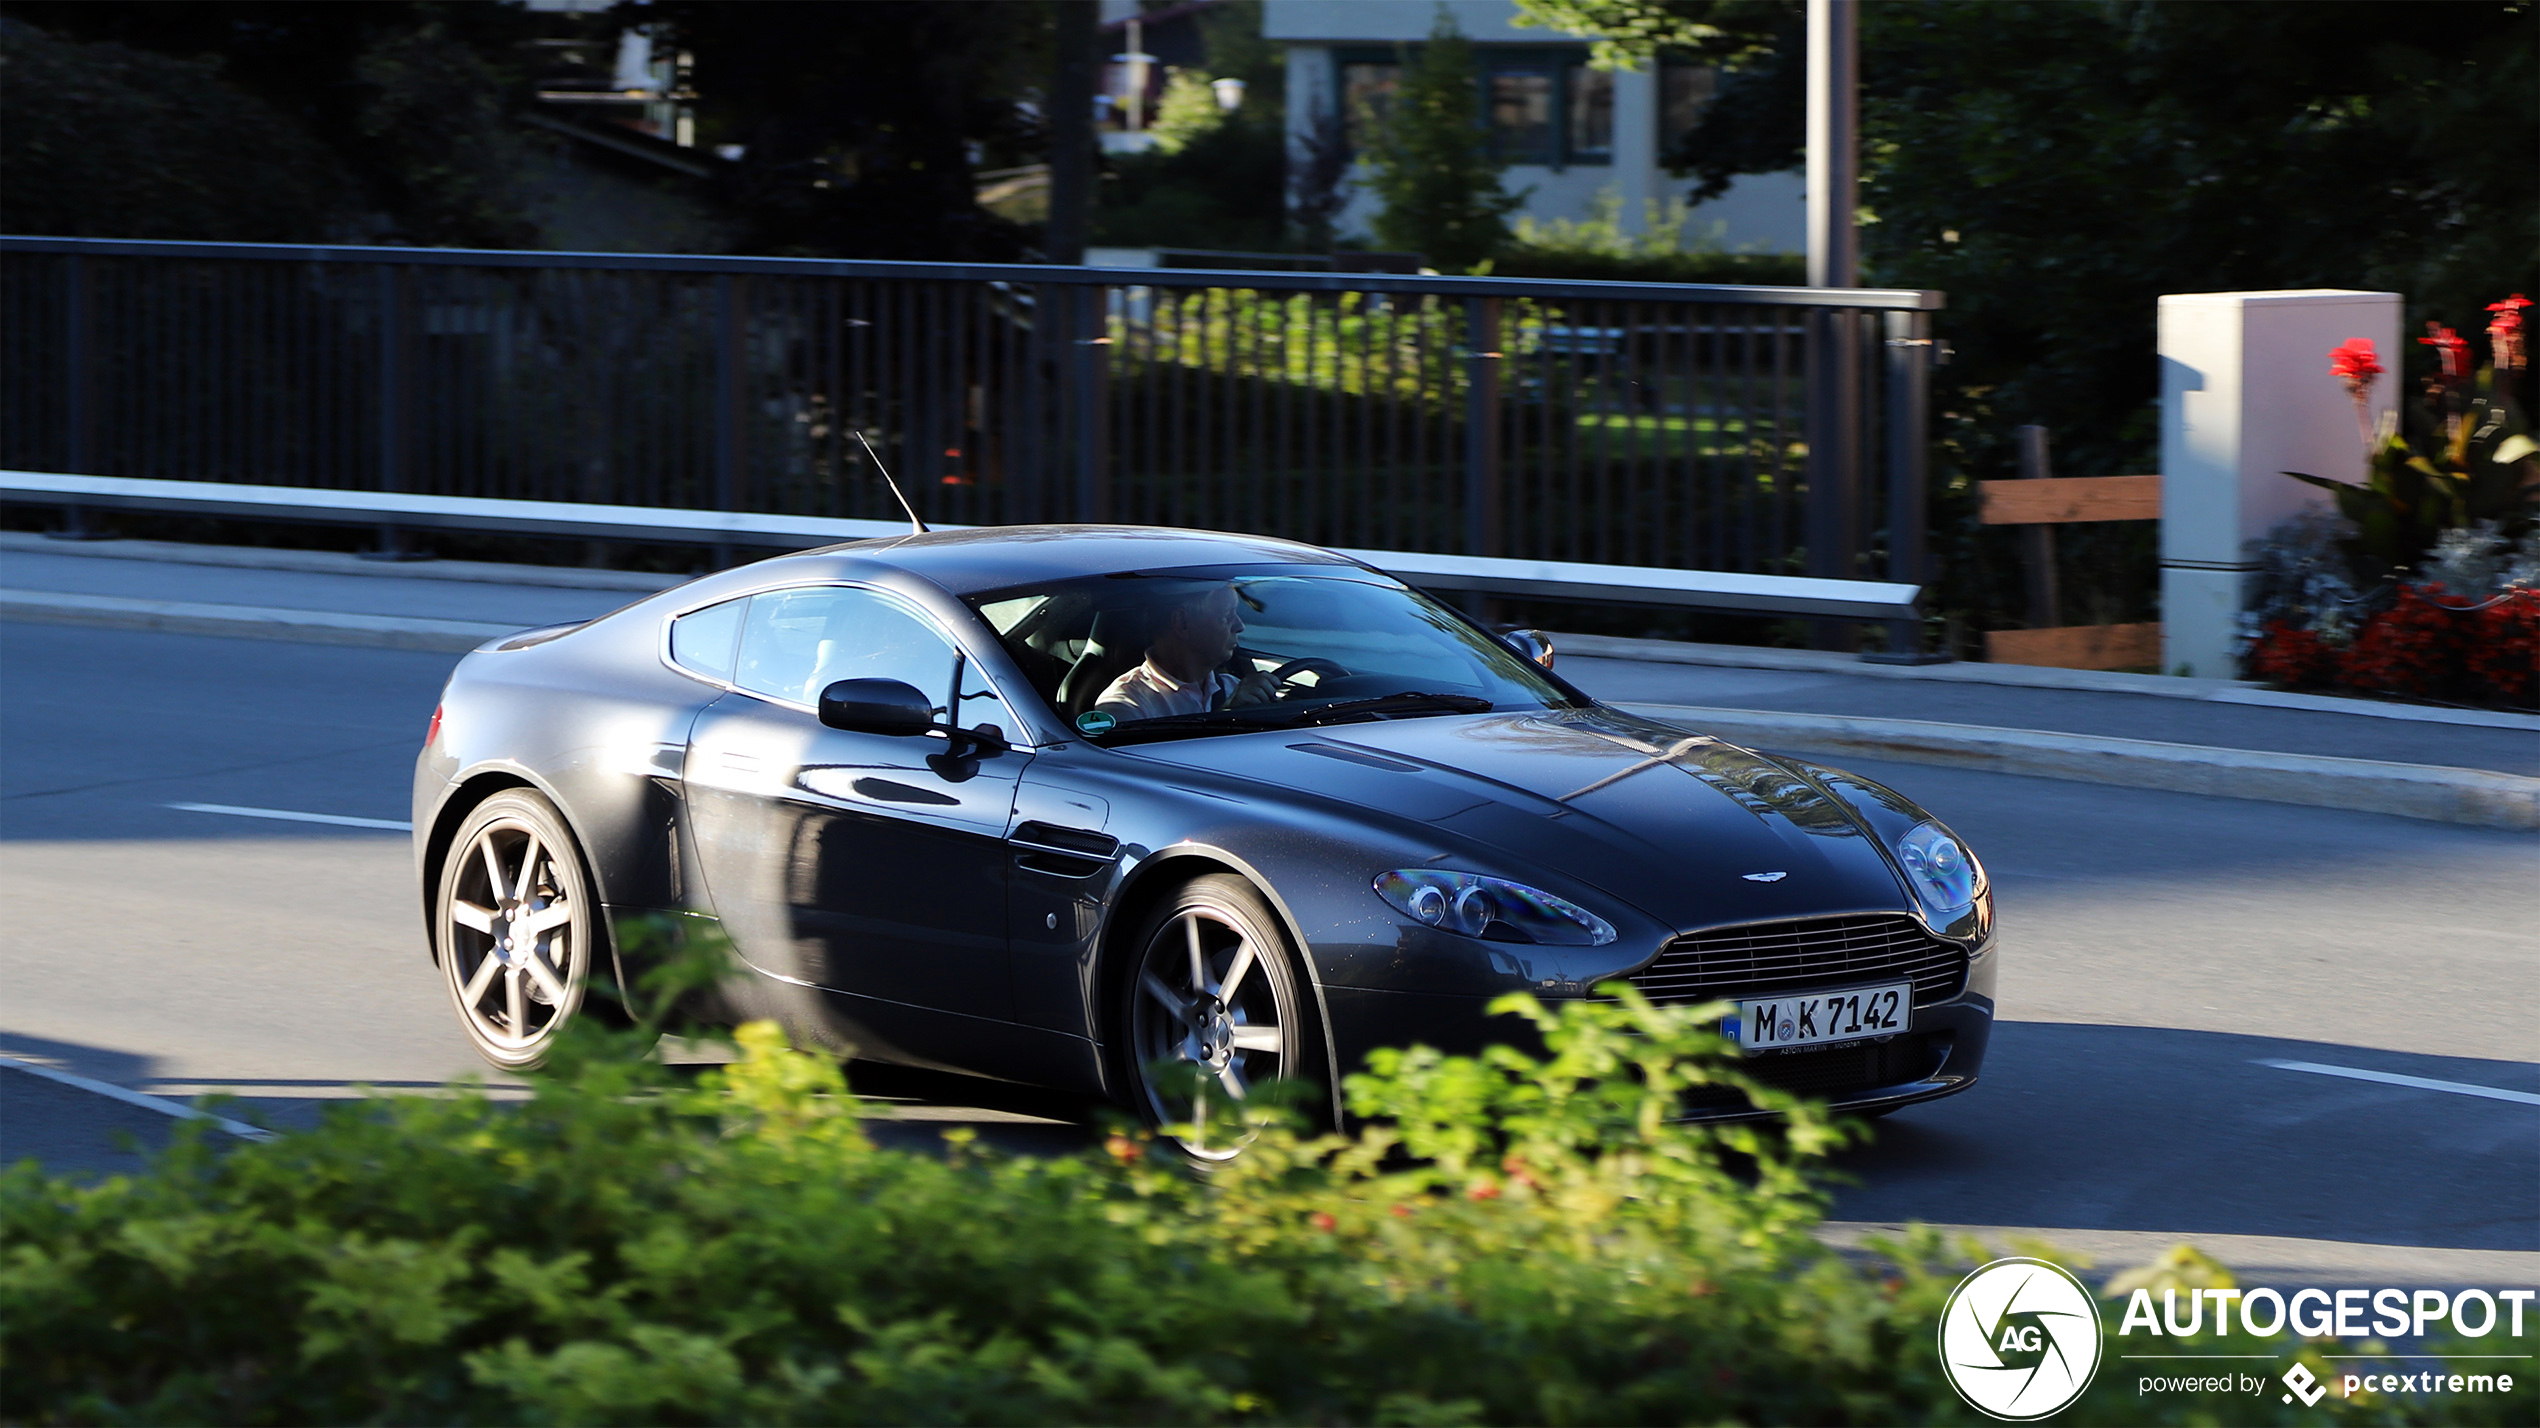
{"type": "Point", "coordinates": [160, 1104]}
{"type": "Point", "coordinates": [287, 816]}
{"type": "Point", "coordinates": [2392, 1078]}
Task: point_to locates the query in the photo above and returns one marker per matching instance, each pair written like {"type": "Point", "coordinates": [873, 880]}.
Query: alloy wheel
{"type": "Point", "coordinates": [1212, 998]}
{"type": "Point", "coordinates": [515, 932]}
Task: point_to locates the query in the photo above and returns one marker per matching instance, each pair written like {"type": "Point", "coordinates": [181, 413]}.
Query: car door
{"type": "Point", "coordinates": [865, 864]}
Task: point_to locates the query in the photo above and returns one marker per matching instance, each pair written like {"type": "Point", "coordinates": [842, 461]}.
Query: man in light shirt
{"type": "Point", "coordinates": [1180, 674]}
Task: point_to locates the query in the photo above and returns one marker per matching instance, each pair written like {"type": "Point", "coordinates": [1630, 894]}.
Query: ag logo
{"type": "Point", "coordinates": [2019, 1339]}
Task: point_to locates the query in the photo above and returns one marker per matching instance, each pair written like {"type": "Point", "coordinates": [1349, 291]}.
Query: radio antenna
{"type": "Point", "coordinates": [894, 485]}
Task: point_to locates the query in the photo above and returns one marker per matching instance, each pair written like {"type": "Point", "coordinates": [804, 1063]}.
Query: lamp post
{"type": "Point", "coordinates": [1834, 337]}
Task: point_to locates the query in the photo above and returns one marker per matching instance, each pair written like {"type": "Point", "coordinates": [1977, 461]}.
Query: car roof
{"type": "Point", "coordinates": [966, 562]}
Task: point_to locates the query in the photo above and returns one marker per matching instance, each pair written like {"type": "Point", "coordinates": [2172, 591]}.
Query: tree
{"type": "Point", "coordinates": [1431, 161]}
{"type": "Point", "coordinates": [1215, 179]}
{"type": "Point", "coordinates": [857, 122]}
{"type": "Point", "coordinates": [104, 141]}
{"type": "Point", "coordinates": [413, 101]}
{"type": "Point", "coordinates": [1756, 122]}
{"type": "Point", "coordinates": [2056, 167]}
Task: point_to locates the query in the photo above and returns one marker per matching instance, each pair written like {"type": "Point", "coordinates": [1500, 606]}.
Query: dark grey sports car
{"type": "Point", "coordinates": [1064, 804]}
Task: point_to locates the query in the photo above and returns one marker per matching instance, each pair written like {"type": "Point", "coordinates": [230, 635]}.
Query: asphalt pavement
{"type": "Point", "coordinates": [2171, 959]}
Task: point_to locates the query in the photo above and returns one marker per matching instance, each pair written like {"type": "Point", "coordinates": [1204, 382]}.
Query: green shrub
{"type": "Point", "coordinates": [1517, 1241]}
{"type": "Point", "coordinates": [1596, 246]}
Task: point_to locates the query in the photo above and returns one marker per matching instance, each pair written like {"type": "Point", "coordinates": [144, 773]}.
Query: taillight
{"type": "Point", "coordinates": [434, 731]}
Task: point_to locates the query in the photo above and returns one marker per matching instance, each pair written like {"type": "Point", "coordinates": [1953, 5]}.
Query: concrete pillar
{"type": "Point", "coordinates": [1637, 178]}
{"type": "Point", "coordinates": [2246, 395]}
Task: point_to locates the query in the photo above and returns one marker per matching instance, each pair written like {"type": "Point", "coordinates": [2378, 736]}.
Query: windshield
{"type": "Point", "coordinates": [1169, 654]}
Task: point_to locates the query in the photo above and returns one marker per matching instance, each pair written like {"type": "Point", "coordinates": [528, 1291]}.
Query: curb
{"type": "Point", "coordinates": [2443, 795]}
{"type": "Point", "coordinates": [2023, 676]}
{"type": "Point", "coordinates": [254, 622]}
{"type": "Point", "coordinates": [334, 562]}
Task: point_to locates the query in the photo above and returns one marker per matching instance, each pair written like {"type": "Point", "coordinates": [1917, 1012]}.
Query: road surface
{"type": "Point", "coordinates": [2161, 951]}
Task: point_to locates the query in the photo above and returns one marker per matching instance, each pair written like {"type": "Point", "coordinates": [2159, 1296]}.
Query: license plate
{"type": "Point", "coordinates": [1815, 1018]}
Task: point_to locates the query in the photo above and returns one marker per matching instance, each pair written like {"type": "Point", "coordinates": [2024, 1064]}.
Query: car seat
{"type": "Point", "coordinates": [1116, 646]}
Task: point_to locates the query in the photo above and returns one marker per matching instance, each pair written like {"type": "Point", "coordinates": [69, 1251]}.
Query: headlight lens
{"type": "Point", "coordinates": [1941, 870]}
{"type": "Point", "coordinates": [1492, 908]}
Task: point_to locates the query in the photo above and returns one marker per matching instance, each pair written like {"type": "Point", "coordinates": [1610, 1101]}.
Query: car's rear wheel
{"type": "Point", "coordinates": [517, 928]}
{"type": "Point", "coordinates": [1212, 1009]}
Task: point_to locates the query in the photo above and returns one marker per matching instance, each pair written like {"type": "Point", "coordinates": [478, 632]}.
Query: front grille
{"type": "Point", "coordinates": [1765, 958]}
{"type": "Point", "coordinates": [1829, 1073]}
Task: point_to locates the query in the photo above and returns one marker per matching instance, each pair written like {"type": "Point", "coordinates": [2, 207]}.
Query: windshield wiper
{"type": "Point", "coordinates": [1272, 716]}
{"type": "Point", "coordinates": [1192, 726]}
{"type": "Point", "coordinates": [1409, 701]}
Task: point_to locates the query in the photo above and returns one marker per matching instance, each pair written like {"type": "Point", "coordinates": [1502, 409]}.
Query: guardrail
{"type": "Point", "coordinates": [1726, 591]}
{"type": "Point", "coordinates": [1759, 431]}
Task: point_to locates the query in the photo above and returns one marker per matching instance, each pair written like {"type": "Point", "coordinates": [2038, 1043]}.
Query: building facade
{"type": "Point", "coordinates": [1575, 138]}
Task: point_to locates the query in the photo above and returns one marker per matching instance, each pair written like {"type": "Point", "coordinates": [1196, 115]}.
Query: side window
{"type": "Point", "coordinates": [795, 643]}
{"type": "Point", "coordinates": [701, 640]}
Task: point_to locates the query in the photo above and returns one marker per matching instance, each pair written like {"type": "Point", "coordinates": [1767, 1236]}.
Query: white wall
{"type": "Point", "coordinates": [2246, 396]}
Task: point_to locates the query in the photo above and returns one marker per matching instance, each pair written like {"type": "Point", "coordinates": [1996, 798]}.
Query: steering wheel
{"type": "Point", "coordinates": [1285, 675]}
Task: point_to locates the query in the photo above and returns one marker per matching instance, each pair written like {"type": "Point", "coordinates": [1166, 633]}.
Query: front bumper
{"type": "Point", "coordinates": [1942, 1055]}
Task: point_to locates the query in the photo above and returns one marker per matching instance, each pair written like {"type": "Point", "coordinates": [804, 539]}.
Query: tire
{"type": "Point", "coordinates": [514, 875]}
{"type": "Point", "coordinates": [1214, 984]}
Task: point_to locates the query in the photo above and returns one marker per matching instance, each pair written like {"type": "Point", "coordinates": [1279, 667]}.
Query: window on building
{"type": "Point", "coordinates": [1367, 92]}
{"type": "Point", "coordinates": [1591, 114]}
{"type": "Point", "coordinates": [1539, 106]}
{"type": "Point", "coordinates": [1519, 102]}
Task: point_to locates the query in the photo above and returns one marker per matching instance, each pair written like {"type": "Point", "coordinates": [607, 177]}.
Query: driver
{"type": "Point", "coordinates": [1180, 674]}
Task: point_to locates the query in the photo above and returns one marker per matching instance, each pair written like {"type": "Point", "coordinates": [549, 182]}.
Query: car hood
{"type": "Point", "coordinates": [1690, 830]}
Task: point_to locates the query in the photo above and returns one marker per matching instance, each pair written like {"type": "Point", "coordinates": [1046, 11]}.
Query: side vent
{"type": "Point", "coordinates": [1062, 852]}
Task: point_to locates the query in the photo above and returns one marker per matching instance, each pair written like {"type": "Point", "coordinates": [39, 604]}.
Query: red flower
{"type": "Point", "coordinates": [2284, 655]}
{"type": "Point", "coordinates": [2504, 331]}
{"type": "Point", "coordinates": [2504, 649]}
{"type": "Point", "coordinates": [2452, 348]}
{"type": "Point", "coordinates": [2353, 363]}
{"type": "Point", "coordinates": [2416, 647]}
{"type": "Point", "coordinates": [1321, 1220]}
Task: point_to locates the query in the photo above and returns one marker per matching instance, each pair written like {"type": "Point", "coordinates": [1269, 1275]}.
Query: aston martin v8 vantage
{"type": "Point", "coordinates": [1078, 805]}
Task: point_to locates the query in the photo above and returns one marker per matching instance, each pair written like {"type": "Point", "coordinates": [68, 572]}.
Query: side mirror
{"type": "Point", "coordinates": [1533, 644]}
{"type": "Point", "coordinates": [876, 706]}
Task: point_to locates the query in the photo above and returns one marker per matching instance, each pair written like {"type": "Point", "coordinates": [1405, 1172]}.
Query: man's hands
{"type": "Point", "coordinates": [1257, 688]}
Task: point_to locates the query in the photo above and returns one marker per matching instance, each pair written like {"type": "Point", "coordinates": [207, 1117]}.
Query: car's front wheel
{"type": "Point", "coordinates": [517, 928]}
{"type": "Point", "coordinates": [1212, 1009]}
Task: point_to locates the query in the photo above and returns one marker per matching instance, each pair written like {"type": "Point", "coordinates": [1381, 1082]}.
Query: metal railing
{"type": "Point", "coordinates": [1623, 424]}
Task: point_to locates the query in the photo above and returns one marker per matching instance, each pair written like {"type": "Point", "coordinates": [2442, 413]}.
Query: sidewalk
{"type": "Point", "coordinates": [2203, 736]}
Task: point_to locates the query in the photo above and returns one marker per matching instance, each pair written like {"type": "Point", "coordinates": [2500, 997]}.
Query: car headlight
{"type": "Point", "coordinates": [1943, 873]}
{"type": "Point", "coordinates": [1491, 908]}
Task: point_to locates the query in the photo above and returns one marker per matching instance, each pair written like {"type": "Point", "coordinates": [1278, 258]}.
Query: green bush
{"type": "Point", "coordinates": [1597, 247]}
{"type": "Point", "coordinates": [1516, 1240]}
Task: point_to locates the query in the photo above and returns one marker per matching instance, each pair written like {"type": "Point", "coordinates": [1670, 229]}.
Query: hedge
{"type": "Point", "coordinates": [1503, 1239]}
